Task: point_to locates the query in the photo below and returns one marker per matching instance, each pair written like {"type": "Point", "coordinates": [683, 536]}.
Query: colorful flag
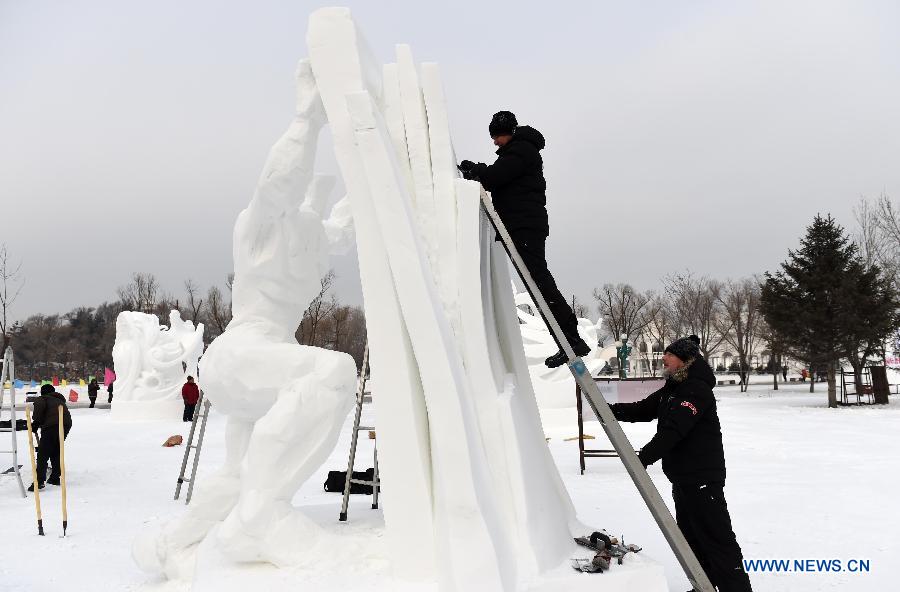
{"type": "Point", "coordinates": [81, 382]}
{"type": "Point", "coordinates": [56, 381]}
{"type": "Point", "coordinates": [73, 395]}
{"type": "Point", "coordinates": [64, 382]}
{"type": "Point", "coordinates": [108, 376]}
{"type": "Point", "coordinates": [19, 384]}
{"type": "Point", "coordinates": [33, 383]}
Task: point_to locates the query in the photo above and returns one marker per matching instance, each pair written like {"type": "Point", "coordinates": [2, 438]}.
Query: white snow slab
{"type": "Point", "coordinates": [341, 64]}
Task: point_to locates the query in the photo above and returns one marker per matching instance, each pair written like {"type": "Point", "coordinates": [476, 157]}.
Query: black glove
{"type": "Point", "coordinates": [467, 168]}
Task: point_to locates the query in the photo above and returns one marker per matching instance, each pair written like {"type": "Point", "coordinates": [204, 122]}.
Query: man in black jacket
{"type": "Point", "coordinates": [518, 190]}
{"type": "Point", "coordinates": [689, 441]}
{"type": "Point", "coordinates": [46, 418]}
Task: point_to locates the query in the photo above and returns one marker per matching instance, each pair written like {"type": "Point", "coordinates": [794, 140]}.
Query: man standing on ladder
{"type": "Point", "coordinates": [518, 191]}
{"type": "Point", "coordinates": [46, 417]}
{"type": "Point", "coordinates": [689, 441]}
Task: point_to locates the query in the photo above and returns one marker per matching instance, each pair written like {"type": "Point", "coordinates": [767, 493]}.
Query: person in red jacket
{"type": "Point", "coordinates": [190, 392]}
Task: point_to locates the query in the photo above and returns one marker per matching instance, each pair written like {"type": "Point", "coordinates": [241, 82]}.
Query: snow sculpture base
{"type": "Point", "coordinates": [350, 558]}
{"type": "Point", "coordinates": [146, 410]}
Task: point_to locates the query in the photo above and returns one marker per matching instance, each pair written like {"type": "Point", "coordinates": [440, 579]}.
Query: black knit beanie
{"type": "Point", "coordinates": [503, 124]}
{"type": "Point", "coordinates": [46, 389]}
{"type": "Point", "coordinates": [684, 349]}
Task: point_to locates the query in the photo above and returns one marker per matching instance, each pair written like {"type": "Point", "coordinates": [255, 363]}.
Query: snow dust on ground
{"type": "Point", "coordinates": [804, 482]}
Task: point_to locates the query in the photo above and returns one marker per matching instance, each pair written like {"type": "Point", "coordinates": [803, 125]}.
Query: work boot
{"type": "Point", "coordinates": [559, 358]}
{"type": "Point", "coordinates": [53, 480]}
{"type": "Point", "coordinates": [31, 487]}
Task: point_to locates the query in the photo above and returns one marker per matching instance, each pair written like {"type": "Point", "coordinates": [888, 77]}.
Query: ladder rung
{"type": "Point", "coordinates": [364, 482]}
{"type": "Point", "coordinates": [364, 428]}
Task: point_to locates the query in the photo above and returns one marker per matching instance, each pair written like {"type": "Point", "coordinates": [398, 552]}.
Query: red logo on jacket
{"type": "Point", "coordinates": [690, 406]}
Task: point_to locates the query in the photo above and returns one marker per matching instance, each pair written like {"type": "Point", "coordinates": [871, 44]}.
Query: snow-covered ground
{"type": "Point", "coordinates": [804, 482]}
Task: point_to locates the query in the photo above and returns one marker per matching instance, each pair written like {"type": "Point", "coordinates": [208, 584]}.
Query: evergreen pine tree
{"type": "Point", "coordinates": [825, 304]}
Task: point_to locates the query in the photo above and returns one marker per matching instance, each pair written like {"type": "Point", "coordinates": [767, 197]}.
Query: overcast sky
{"type": "Point", "coordinates": [701, 135]}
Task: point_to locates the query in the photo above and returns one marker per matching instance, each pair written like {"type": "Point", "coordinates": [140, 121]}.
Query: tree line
{"type": "Point", "coordinates": [835, 299]}
{"type": "Point", "coordinates": [79, 343]}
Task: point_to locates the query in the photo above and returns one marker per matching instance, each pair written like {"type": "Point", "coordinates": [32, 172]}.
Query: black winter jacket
{"type": "Point", "coordinates": [46, 415]}
{"type": "Point", "coordinates": [688, 435]}
{"type": "Point", "coordinates": [516, 181]}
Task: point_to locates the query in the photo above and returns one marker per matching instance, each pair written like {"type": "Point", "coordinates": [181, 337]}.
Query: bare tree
{"type": "Point", "coordinates": [878, 235]}
{"type": "Point", "coordinates": [218, 312]}
{"type": "Point", "coordinates": [194, 299]}
{"type": "Point", "coordinates": [621, 307]}
{"type": "Point", "coordinates": [695, 309]}
{"type": "Point", "coordinates": [657, 326]}
{"type": "Point", "coordinates": [739, 322]}
{"type": "Point", "coordinates": [308, 333]}
{"type": "Point", "coordinates": [10, 288]}
{"type": "Point", "coordinates": [141, 294]}
{"type": "Point", "coordinates": [581, 310]}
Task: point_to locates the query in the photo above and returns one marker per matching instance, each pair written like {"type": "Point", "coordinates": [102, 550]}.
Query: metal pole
{"type": "Point", "coordinates": [679, 545]}
{"type": "Point", "coordinates": [62, 467]}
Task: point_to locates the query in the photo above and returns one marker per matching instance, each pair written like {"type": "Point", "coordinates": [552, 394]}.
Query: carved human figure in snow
{"type": "Point", "coordinates": [285, 402]}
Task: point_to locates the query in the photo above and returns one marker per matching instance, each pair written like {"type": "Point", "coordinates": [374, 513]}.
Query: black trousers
{"type": "Point", "coordinates": [188, 412]}
{"type": "Point", "coordinates": [702, 515]}
{"type": "Point", "coordinates": [93, 399]}
{"type": "Point", "coordinates": [531, 246]}
{"type": "Point", "coordinates": [48, 450]}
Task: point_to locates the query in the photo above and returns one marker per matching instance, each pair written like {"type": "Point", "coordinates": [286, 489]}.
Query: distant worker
{"type": "Point", "coordinates": [518, 190]}
{"type": "Point", "coordinates": [689, 441]}
{"type": "Point", "coordinates": [93, 389]}
{"type": "Point", "coordinates": [45, 417]}
{"type": "Point", "coordinates": [109, 390]}
{"type": "Point", "coordinates": [190, 392]}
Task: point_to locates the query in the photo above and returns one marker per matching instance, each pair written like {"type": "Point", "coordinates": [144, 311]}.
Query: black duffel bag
{"type": "Point", "coordinates": [336, 480]}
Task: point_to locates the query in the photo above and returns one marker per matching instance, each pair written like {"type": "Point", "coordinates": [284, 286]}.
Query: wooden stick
{"type": "Point", "coordinates": [34, 479]}
{"type": "Point", "coordinates": [62, 467]}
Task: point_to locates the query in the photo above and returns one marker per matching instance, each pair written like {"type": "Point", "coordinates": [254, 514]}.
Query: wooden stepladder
{"type": "Point", "coordinates": [679, 545]}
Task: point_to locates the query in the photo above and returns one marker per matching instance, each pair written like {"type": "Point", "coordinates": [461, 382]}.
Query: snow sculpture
{"type": "Point", "coordinates": [554, 387]}
{"type": "Point", "coordinates": [285, 402]}
{"type": "Point", "coordinates": [474, 500]}
{"type": "Point", "coordinates": [151, 363]}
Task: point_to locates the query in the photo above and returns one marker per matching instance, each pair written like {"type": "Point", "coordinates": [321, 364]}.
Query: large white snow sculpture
{"type": "Point", "coordinates": [285, 402]}
{"type": "Point", "coordinates": [499, 517]}
{"type": "Point", "coordinates": [151, 362]}
{"type": "Point", "coordinates": [472, 498]}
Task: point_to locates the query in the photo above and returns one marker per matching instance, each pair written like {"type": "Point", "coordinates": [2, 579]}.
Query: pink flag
{"type": "Point", "coordinates": [108, 376]}
{"type": "Point", "coordinates": [73, 395]}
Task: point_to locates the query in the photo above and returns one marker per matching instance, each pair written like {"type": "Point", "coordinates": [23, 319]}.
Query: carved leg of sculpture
{"type": "Point", "coordinates": [287, 445]}
{"type": "Point", "coordinates": [172, 551]}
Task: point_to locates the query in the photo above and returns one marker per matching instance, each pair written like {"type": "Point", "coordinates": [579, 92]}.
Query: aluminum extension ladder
{"type": "Point", "coordinates": [201, 412]}
{"type": "Point", "coordinates": [8, 373]}
{"type": "Point", "coordinates": [679, 545]}
{"type": "Point", "coordinates": [375, 483]}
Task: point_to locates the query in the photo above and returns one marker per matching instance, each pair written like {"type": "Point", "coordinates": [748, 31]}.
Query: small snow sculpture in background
{"type": "Point", "coordinates": [554, 388]}
{"type": "Point", "coordinates": [151, 362]}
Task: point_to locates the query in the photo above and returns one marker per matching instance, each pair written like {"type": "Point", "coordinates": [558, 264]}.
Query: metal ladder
{"type": "Point", "coordinates": [375, 483]}
{"type": "Point", "coordinates": [679, 545]}
{"type": "Point", "coordinates": [201, 411]}
{"type": "Point", "coordinates": [8, 373]}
